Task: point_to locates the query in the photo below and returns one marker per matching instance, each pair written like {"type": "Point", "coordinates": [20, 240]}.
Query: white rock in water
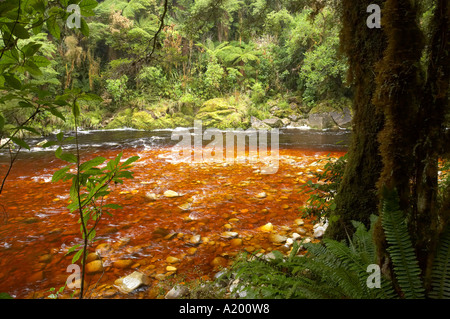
{"type": "Point", "coordinates": [195, 239]}
{"type": "Point", "coordinates": [295, 236]}
{"type": "Point", "coordinates": [151, 196]}
{"type": "Point", "coordinates": [229, 234]}
{"type": "Point", "coordinates": [319, 231]}
{"type": "Point", "coordinates": [261, 195]}
{"type": "Point", "coordinates": [171, 193]}
{"type": "Point", "coordinates": [289, 241]}
{"type": "Point", "coordinates": [131, 282]}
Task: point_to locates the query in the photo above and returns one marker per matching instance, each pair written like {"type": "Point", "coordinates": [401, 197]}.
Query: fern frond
{"type": "Point", "coordinates": [401, 251]}
{"type": "Point", "coordinates": [441, 268]}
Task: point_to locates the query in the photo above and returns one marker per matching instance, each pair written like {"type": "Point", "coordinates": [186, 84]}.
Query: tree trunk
{"type": "Point", "coordinates": [424, 226]}
{"type": "Point", "coordinates": [356, 198]}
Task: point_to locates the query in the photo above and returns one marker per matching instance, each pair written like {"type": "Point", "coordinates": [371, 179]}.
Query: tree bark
{"type": "Point", "coordinates": [364, 47]}
{"type": "Point", "coordinates": [424, 226]}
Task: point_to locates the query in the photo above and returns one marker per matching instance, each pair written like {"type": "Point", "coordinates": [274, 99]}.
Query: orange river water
{"type": "Point", "coordinates": [36, 228]}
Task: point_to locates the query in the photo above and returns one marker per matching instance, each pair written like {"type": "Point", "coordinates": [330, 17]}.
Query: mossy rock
{"type": "Point", "coordinates": [220, 113]}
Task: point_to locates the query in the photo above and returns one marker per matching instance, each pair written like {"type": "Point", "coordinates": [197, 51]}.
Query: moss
{"type": "Point", "coordinates": [222, 113]}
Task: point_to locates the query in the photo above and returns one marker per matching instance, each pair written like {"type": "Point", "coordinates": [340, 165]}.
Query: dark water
{"type": "Point", "coordinates": [289, 138]}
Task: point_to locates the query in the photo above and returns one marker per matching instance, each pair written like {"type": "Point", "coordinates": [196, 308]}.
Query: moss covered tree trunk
{"type": "Point", "coordinates": [364, 47]}
{"type": "Point", "coordinates": [426, 220]}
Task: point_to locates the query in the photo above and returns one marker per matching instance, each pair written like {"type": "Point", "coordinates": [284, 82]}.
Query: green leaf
{"type": "Point", "coordinates": [112, 206]}
{"type": "Point", "coordinates": [20, 142]}
{"type": "Point", "coordinates": [20, 32]}
{"type": "Point", "coordinates": [57, 113]}
{"type": "Point", "coordinates": [13, 81]}
{"type": "Point", "coordinates": [60, 136]}
{"type": "Point", "coordinates": [77, 256]}
{"type": "Point", "coordinates": [130, 160]}
{"type": "Point", "coordinates": [72, 249]}
{"type": "Point", "coordinates": [40, 61]}
{"type": "Point", "coordinates": [87, 7]}
{"type": "Point", "coordinates": [84, 28]}
{"type": "Point", "coordinates": [76, 109]}
{"type": "Point", "coordinates": [2, 122]}
{"type": "Point", "coordinates": [49, 143]}
{"type": "Point", "coordinates": [92, 163]}
{"type": "Point", "coordinates": [71, 158]}
{"type": "Point", "coordinates": [59, 174]}
{"type": "Point", "coordinates": [31, 48]}
{"type": "Point", "coordinates": [53, 27]}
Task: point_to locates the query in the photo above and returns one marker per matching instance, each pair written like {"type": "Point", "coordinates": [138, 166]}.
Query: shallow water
{"type": "Point", "coordinates": [36, 229]}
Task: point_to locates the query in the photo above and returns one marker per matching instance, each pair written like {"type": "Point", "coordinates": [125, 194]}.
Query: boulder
{"type": "Point", "coordinates": [321, 121]}
{"type": "Point", "coordinates": [286, 121]}
{"type": "Point", "coordinates": [300, 123]}
{"type": "Point", "coordinates": [294, 117]}
{"type": "Point", "coordinates": [257, 124]}
{"type": "Point", "coordinates": [342, 119]}
{"type": "Point", "coordinates": [274, 122]}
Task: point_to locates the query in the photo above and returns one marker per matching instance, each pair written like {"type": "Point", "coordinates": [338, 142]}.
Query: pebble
{"type": "Point", "coordinates": [102, 249]}
{"type": "Point", "coordinates": [299, 222]}
{"type": "Point", "coordinates": [91, 257]}
{"type": "Point", "coordinates": [219, 262]}
{"type": "Point", "coordinates": [229, 234]}
{"type": "Point", "coordinates": [261, 195]}
{"type": "Point", "coordinates": [177, 292]}
{"type": "Point", "coordinates": [172, 260]}
{"type": "Point", "coordinates": [94, 267]}
{"type": "Point", "coordinates": [151, 196]}
{"type": "Point", "coordinates": [131, 282]}
{"type": "Point", "coordinates": [267, 228]}
{"type": "Point", "coordinates": [277, 239]}
{"type": "Point", "coordinates": [45, 258]}
{"type": "Point", "coordinates": [236, 242]}
{"type": "Point", "coordinates": [171, 268]}
{"type": "Point", "coordinates": [123, 263]}
{"type": "Point", "coordinates": [170, 194]}
{"type": "Point", "coordinates": [191, 251]}
{"type": "Point", "coordinates": [195, 239]}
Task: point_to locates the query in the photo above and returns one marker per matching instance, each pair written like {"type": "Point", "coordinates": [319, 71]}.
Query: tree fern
{"type": "Point", "coordinates": [441, 268]}
{"type": "Point", "coordinates": [401, 251]}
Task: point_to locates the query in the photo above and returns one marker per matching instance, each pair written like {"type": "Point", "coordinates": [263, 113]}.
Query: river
{"type": "Point", "coordinates": [36, 228]}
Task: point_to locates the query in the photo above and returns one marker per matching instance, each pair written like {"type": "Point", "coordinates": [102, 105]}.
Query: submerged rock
{"type": "Point", "coordinates": [94, 267]}
{"type": "Point", "coordinates": [170, 193]}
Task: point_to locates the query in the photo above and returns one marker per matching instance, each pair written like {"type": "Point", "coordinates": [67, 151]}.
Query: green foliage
{"type": "Point", "coordinates": [400, 248]}
{"type": "Point", "coordinates": [441, 268]}
{"type": "Point", "coordinates": [331, 270]}
{"type": "Point", "coordinates": [117, 88]}
{"type": "Point", "coordinates": [320, 202]}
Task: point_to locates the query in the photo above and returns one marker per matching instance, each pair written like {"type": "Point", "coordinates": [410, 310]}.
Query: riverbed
{"type": "Point", "coordinates": [37, 229]}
